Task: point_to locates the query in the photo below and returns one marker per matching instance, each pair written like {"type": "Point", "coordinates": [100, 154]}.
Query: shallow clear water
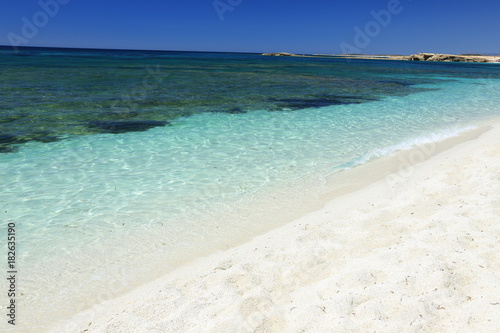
{"type": "Point", "coordinates": [109, 190]}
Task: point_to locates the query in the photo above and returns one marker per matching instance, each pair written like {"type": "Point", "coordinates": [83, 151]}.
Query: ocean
{"type": "Point", "coordinates": [116, 166]}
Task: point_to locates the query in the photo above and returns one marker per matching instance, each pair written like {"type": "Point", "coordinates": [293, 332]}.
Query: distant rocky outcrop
{"type": "Point", "coordinates": [447, 58]}
{"type": "Point", "coordinates": [413, 57]}
{"type": "Point", "coordinates": [279, 54]}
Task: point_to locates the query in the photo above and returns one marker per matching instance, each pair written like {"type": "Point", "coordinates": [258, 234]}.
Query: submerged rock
{"type": "Point", "coordinates": [7, 142]}
{"type": "Point", "coordinates": [320, 101]}
{"type": "Point", "coordinates": [117, 127]}
{"type": "Point", "coordinates": [397, 83]}
{"type": "Point", "coordinates": [10, 142]}
{"type": "Point", "coordinates": [235, 110]}
{"type": "Point", "coordinates": [45, 137]}
{"type": "Point", "coordinates": [8, 138]}
{"type": "Point", "coordinates": [7, 149]}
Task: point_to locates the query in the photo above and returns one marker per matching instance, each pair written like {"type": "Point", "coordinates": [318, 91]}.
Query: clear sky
{"type": "Point", "coordinates": [300, 26]}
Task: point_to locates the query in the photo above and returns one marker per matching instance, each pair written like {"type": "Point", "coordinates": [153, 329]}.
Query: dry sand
{"type": "Point", "coordinates": [417, 251]}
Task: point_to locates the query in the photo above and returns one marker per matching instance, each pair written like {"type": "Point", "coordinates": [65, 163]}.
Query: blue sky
{"type": "Point", "coordinates": [314, 26]}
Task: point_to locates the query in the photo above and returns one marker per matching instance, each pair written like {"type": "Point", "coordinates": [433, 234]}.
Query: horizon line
{"type": "Point", "coordinates": [237, 52]}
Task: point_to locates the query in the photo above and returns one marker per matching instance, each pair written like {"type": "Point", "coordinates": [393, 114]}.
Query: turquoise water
{"type": "Point", "coordinates": [118, 165]}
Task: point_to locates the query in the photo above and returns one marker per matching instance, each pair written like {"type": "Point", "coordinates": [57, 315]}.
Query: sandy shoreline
{"type": "Point", "coordinates": [417, 251]}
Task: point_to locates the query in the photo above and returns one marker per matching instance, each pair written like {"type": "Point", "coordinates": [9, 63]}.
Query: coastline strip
{"type": "Point", "coordinates": [415, 252]}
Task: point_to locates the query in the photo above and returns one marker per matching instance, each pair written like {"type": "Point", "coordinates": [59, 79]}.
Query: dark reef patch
{"type": "Point", "coordinates": [10, 143]}
{"type": "Point", "coordinates": [9, 138]}
{"type": "Point", "coordinates": [7, 149]}
{"type": "Point", "coordinates": [116, 127]}
{"type": "Point", "coordinates": [397, 83]}
{"type": "Point", "coordinates": [44, 136]}
{"type": "Point", "coordinates": [319, 101]}
{"type": "Point", "coordinates": [235, 110]}
{"type": "Point", "coordinates": [7, 141]}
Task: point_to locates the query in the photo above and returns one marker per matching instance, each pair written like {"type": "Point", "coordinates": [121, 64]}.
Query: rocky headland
{"type": "Point", "coordinates": [447, 57]}
{"type": "Point", "coordinates": [413, 57]}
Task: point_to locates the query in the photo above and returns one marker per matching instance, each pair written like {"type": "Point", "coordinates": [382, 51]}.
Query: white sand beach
{"type": "Point", "coordinates": [414, 251]}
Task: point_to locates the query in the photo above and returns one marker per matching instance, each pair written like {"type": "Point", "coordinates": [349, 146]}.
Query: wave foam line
{"type": "Point", "coordinates": [405, 145]}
